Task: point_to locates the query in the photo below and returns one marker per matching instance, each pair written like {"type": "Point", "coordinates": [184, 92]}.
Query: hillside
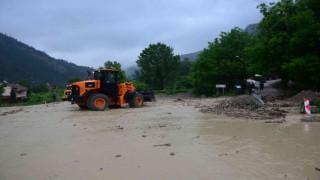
{"type": "Point", "coordinates": [191, 56]}
{"type": "Point", "coordinates": [19, 61]}
{"type": "Point", "coordinates": [252, 29]}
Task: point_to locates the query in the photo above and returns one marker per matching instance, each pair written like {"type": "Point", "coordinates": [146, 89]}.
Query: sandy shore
{"type": "Point", "coordinates": [166, 139]}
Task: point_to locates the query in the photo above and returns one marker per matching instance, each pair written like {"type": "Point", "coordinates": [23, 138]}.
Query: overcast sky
{"type": "Point", "coordinates": [91, 32]}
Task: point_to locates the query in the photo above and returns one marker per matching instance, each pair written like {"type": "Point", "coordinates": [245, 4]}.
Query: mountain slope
{"type": "Point", "coordinates": [252, 29]}
{"type": "Point", "coordinates": [191, 56]}
{"type": "Point", "coordinates": [19, 61]}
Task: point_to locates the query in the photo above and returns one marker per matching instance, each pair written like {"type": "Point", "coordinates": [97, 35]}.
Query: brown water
{"type": "Point", "coordinates": [264, 151]}
{"type": "Point", "coordinates": [61, 142]}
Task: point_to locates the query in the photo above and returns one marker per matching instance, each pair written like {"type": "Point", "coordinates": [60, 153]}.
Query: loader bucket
{"type": "Point", "coordinates": [148, 96]}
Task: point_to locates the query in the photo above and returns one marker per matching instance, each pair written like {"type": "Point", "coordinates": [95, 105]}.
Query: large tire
{"type": "Point", "coordinates": [98, 102]}
{"type": "Point", "coordinates": [136, 100]}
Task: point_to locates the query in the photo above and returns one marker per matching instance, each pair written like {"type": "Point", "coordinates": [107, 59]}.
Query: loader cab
{"type": "Point", "coordinates": [108, 81]}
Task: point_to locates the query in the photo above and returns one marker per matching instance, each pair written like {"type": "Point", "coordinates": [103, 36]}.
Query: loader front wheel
{"type": "Point", "coordinates": [136, 101]}
{"type": "Point", "coordinates": [99, 102]}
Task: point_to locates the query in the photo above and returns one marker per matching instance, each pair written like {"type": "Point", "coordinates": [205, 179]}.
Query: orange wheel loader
{"type": "Point", "coordinates": [104, 91]}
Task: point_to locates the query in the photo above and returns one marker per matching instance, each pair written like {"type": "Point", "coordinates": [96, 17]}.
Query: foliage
{"type": "Point", "coordinates": [74, 79]}
{"type": "Point", "coordinates": [39, 88]}
{"type": "Point", "coordinates": [13, 96]}
{"type": "Point", "coordinates": [158, 66]}
{"type": "Point", "coordinates": [288, 42]}
{"type": "Point", "coordinates": [40, 98]}
{"type": "Point", "coordinates": [184, 83]}
{"type": "Point", "coordinates": [121, 73]}
{"type": "Point", "coordinates": [185, 67]}
{"type": "Point", "coordinates": [139, 85]}
{"type": "Point", "coordinates": [2, 88]}
{"type": "Point", "coordinates": [170, 91]}
{"type": "Point", "coordinates": [223, 62]}
{"type": "Point", "coordinates": [304, 71]}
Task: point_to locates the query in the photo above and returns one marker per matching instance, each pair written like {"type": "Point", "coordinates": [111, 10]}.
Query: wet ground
{"type": "Point", "coordinates": [167, 139]}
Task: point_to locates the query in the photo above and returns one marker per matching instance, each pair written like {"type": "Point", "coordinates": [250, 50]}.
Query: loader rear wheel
{"type": "Point", "coordinates": [99, 102]}
{"type": "Point", "coordinates": [136, 100]}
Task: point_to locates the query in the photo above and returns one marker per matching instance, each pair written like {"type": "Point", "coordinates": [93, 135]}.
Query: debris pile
{"type": "Point", "coordinates": [244, 107]}
{"type": "Point", "coordinates": [298, 98]}
{"type": "Point", "coordinates": [310, 119]}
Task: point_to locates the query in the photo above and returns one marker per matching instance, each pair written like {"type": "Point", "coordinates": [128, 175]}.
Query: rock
{"type": "Point", "coordinates": [172, 153]}
{"type": "Point", "coordinates": [196, 137]}
{"type": "Point", "coordinates": [119, 127]}
{"type": "Point", "coordinates": [178, 99]}
{"type": "Point", "coordinates": [117, 156]}
{"type": "Point", "coordinates": [167, 144]}
{"type": "Point", "coordinates": [223, 154]}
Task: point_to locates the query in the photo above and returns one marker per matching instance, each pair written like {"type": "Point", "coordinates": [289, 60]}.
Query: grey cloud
{"type": "Point", "coordinates": [90, 32]}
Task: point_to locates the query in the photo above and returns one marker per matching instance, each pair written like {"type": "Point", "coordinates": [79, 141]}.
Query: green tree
{"type": "Point", "coordinates": [2, 88]}
{"type": "Point", "coordinates": [75, 79]}
{"type": "Point", "coordinates": [288, 41]}
{"type": "Point", "coordinates": [13, 96]}
{"type": "Point", "coordinates": [184, 82]}
{"type": "Point", "coordinates": [185, 67]}
{"type": "Point", "coordinates": [159, 67]}
{"type": "Point", "coordinates": [1, 91]}
{"type": "Point", "coordinates": [121, 73]}
{"type": "Point", "coordinates": [223, 62]}
{"type": "Point", "coordinates": [39, 89]}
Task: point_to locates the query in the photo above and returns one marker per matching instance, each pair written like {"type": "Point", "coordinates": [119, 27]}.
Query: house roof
{"type": "Point", "coordinates": [18, 87]}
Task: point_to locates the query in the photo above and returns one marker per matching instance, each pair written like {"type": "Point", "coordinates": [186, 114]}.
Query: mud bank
{"type": "Point", "coordinates": [168, 139]}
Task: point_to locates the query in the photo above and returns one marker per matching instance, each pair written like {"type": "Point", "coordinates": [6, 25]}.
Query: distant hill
{"type": "Point", "coordinates": [19, 61]}
{"type": "Point", "coordinates": [130, 71]}
{"type": "Point", "coordinates": [252, 29]}
{"type": "Point", "coordinates": [191, 56]}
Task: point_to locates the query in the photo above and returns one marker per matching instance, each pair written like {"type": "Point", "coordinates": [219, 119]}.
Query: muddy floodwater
{"type": "Point", "coordinates": [162, 140]}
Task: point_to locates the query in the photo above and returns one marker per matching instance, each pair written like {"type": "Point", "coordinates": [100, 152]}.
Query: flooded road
{"type": "Point", "coordinates": [265, 151]}
{"type": "Point", "coordinates": [163, 140]}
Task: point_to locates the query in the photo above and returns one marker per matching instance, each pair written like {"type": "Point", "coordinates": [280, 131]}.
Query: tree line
{"type": "Point", "coordinates": [285, 45]}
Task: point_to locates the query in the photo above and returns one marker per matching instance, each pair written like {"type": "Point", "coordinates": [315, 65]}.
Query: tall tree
{"type": "Point", "coordinates": [185, 67]}
{"type": "Point", "coordinates": [185, 79]}
{"type": "Point", "coordinates": [2, 89]}
{"type": "Point", "coordinates": [158, 66]}
{"type": "Point", "coordinates": [121, 73]}
{"type": "Point", "coordinates": [288, 41]}
{"type": "Point", "coordinates": [223, 62]}
{"type": "Point", "coordinates": [13, 96]}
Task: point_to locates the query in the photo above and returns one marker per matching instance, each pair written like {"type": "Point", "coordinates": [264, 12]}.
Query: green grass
{"type": "Point", "coordinates": [34, 99]}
